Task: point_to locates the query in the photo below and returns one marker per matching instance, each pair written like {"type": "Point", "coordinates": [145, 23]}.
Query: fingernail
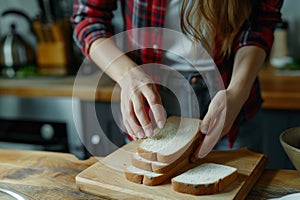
{"type": "Point", "coordinates": [202, 154]}
{"type": "Point", "coordinates": [160, 124]}
{"type": "Point", "coordinates": [140, 135]}
{"type": "Point", "coordinates": [204, 129]}
{"type": "Point", "coordinates": [148, 132]}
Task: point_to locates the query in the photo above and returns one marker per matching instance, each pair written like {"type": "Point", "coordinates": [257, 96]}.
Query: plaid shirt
{"type": "Point", "coordinates": [92, 20]}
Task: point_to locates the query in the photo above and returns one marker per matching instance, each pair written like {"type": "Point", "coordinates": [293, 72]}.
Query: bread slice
{"type": "Point", "coordinates": [167, 153]}
{"type": "Point", "coordinates": [148, 165]}
{"type": "Point", "coordinates": [145, 177]}
{"type": "Point", "coordinates": [140, 176]}
{"type": "Point", "coordinates": [169, 144]}
{"type": "Point", "coordinates": [160, 167]}
{"type": "Point", "coordinates": [208, 178]}
{"type": "Point", "coordinates": [153, 172]}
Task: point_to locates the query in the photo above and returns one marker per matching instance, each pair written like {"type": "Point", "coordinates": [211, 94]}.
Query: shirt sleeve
{"type": "Point", "coordinates": [259, 30]}
{"type": "Point", "coordinates": [91, 19]}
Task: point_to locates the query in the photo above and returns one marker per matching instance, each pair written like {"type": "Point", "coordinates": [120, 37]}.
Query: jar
{"type": "Point", "coordinates": [280, 47]}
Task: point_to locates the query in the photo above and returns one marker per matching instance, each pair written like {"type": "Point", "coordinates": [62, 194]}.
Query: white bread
{"type": "Point", "coordinates": [145, 177]}
{"type": "Point", "coordinates": [160, 167]}
{"type": "Point", "coordinates": [175, 143]}
{"type": "Point", "coordinates": [153, 172]}
{"type": "Point", "coordinates": [148, 165]}
{"type": "Point", "coordinates": [140, 176]}
{"type": "Point", "coordinates": [169, 144]}
{"type": "Point", "coordinates": [208, 178]}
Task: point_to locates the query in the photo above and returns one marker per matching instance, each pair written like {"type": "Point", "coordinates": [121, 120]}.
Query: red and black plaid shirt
{"type": "Point", "coordinates": [92, 19]}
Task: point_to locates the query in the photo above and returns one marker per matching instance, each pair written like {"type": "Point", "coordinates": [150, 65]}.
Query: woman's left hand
{"type": "Point", "coordinates": [221, 114]}
{"type": "Point", "coordinates": [226, 105]}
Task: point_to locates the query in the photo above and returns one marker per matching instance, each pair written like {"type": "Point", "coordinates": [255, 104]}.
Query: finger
{"type": "Point", "coordinates": [129, 130]}
{"type": "Point", "coordinates": [141, 115]}
{"type": "Point", "coordinates": [205, 122]}
{"type": "Point", "coordinates": [130, 118]}
{"type": "Point", "coordinates": [159, 114]}
{"type": "Point", "coordinates": [211, 138]}
{"type": "Point", "coordinates": [124, 111]}
{"type": "Point", "coordinates": [154, 100]}
{"type": "Point", "coordinates": [215, 109]}
{"type": "Point", "coordinates": [194, 157]}
{"type": "Point", "coordinates": [136, 128]}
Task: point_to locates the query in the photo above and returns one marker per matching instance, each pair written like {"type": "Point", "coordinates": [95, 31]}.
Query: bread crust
{"type": "Point", "coordinates": [177, 163]}
{"type": "Point", "coordinates": [152, 166]}
{"type": "Point", "coordinates": [180, 166]}
{"type": "Point", "coordinates": [149, 155]}
{"type": "Point", "coordinates": [204, 189]}
{"type": "Point", "coordinates": [151, 181]}
{"type": "Point", "coordinates": [156, 156]}
{"type": "Point", "coordinates": [180, 152]}
{"type": "Point", "coordinates": [144, 179]}
{"type": "Point", "coordinates": [133, 177]}
{"type": "Point", "coordinates": [148, 166]}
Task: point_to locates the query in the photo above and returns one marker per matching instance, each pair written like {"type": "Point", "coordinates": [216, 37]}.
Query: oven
{"type": "Point", "coordinates": [40, 124]}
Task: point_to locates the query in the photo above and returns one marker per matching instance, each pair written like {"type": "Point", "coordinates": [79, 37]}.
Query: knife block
{"type": "Point", "coordinates": [52, 58]}
{"type": "Point", "coordinates": [54, 52]}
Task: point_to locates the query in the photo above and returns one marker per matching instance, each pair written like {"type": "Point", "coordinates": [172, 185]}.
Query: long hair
{"type": "Point", "coordinates": [203, 20]}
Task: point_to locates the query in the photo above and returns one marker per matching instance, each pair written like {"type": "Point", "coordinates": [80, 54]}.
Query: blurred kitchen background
{"type": "Point", "coordinates": [47, 55]}
{"type": "Point", "coordinates": [41, 34]}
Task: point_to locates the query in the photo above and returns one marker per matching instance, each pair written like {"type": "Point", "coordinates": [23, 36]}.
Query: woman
{"type": "Point", "coordinates": [238, 34]}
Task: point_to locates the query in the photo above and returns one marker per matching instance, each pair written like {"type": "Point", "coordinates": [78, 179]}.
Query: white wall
{"type": "Point", "coordinates": [291, 13]}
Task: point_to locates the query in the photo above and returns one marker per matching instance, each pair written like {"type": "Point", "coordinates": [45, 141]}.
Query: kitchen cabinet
{"type": "Point", "coordinates": [274, 122]}
{"type": "Point", "coordinates": [101, 134]}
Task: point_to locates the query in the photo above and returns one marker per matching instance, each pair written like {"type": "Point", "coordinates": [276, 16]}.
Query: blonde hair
{"type": "Point", "coordinates": [203, 20]}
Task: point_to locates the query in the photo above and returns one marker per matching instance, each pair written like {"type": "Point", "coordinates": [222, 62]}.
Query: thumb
{"type": "Point", "coordinates": [211, 138]}
{"type": "Point", "coordinates": [205, 123]}
{"type": "Point", "coordinates": [204, 130]}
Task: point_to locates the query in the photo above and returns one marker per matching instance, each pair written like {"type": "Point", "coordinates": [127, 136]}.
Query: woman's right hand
{"type": "Point", "coordinates": [137, 90]}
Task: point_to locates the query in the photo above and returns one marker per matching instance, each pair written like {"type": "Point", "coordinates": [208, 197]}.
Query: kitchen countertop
{"type": "Point", "coordinates": [278, 91]}
{"type": "Point", "coordinates": [48, 175]}
{"type": "Point", "coordinates": [86, 88]}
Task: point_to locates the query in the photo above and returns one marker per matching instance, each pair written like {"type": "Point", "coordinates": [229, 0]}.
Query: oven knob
{"type": "Point", "coordinates": [95, 139]}
{"type": "Point", "coordinates": [47, 132]}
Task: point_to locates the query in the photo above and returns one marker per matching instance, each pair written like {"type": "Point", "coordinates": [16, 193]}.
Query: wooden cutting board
{"type": "Point", "coordinates": [106, 179]}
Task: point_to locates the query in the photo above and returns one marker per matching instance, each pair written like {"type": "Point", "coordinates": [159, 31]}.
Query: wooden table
{"type": "Point", "coordinates": [47, 175]}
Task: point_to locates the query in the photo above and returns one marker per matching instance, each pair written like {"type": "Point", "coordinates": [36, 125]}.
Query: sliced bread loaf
{"type": "Point", "coordinates": [161, 167]}
{"type": "Point", "coordinates": [140, 176]}
{"type": "Point", "coordinates": [145, 177]}
{"type": "Point", "coordinates": [168, 144]}
{"type": "Point", "coordinates": [148, 165]}
{"type": "Point", "coordinates": [167, 153]}
{"type": "Point", "coordinates": [208, 178]}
